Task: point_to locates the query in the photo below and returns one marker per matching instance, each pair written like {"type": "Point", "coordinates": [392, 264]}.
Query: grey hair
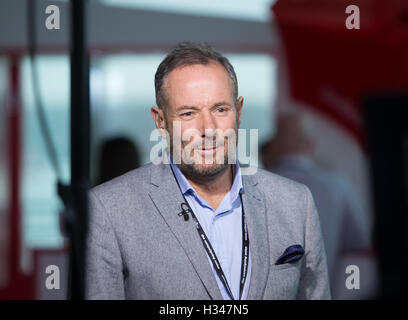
{"type": "Point", "coordinates": [188, 53]}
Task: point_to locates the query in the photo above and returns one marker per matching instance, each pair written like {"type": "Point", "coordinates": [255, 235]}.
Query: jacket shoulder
{"type": "Point", "coordinates": [138, 178]}
{"type": "Point", "coordinates": [269, 181]}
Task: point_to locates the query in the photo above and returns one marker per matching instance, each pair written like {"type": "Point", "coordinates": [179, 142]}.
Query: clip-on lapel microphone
{"type": "Point", "coordinates": [185, 210]}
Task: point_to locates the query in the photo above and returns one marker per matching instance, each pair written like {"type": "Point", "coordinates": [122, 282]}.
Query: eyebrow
{"type": "Point", "coordinates": [217, 104]}
{"type": "Point", "coordinates": [187, 107]}
{"type": "Point", "coordinates": [222, 103]}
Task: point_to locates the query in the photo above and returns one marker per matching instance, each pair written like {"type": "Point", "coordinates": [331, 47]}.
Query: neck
{"type": "Point", "coordinates": [218, 185]}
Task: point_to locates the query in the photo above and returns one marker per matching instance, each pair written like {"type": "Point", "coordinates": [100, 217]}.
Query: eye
{"type": "Point", "coordinates": [221, 110]}
{"type": "Point", "coordinates": [187, 114]}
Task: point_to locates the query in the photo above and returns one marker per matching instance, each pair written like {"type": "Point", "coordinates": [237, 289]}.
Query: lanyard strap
{"type": "Point", "coordinates": [213, 257]}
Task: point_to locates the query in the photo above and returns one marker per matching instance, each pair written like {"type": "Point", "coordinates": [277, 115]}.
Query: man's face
{"type": "Point", "coordinates": [202, 109]}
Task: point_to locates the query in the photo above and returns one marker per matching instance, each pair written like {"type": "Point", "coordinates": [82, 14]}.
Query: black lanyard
{"type": "Point", "coordinates": [213, 257]}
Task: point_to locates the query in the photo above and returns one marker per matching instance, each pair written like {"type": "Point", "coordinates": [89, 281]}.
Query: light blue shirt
{"type": "Point", "coordinates": [223, 228]}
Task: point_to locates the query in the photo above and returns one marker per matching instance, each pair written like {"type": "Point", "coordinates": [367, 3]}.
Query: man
{"type": "Point", "coordinates": [196, 228]}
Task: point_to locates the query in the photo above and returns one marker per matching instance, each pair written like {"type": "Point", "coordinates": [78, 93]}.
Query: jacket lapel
{"type": "Point", "coordinates": [255, 214]}
{"type": "Point", "coordinates": [167, 197]}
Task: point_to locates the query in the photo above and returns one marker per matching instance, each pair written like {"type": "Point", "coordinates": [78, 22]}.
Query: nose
{"type": "Point", "coordinates": [208, 124]}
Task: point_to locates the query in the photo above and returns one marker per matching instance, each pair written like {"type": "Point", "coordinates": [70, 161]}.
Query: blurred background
{"type": "Point", "coordinates": [329, 104]}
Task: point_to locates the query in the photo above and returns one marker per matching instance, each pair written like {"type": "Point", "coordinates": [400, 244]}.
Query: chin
{"type": "Point", "coordinates": [205, 170]}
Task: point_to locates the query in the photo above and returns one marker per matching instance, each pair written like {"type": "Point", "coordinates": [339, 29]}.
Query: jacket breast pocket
{"type": "Point", "coordinates": [283, 281]}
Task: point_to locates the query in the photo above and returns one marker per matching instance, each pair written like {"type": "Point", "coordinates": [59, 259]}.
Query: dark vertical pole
{"type": "Point", "coordinates": [14, 165]}
{"type": "Point", "coordinates": [79, 148]}
{"type": "Point", "coordinates": [387, 136]}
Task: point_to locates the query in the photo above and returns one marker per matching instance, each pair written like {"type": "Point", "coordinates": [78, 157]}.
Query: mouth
{"type": "Point", "coordinates": [208, 150]}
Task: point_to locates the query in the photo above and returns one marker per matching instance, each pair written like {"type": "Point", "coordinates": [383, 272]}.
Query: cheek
{"type": "Point", "coordinates": [229, 122]}
{"type": "Point", "coordinates": [189, 133]}
{"type": "Point", "coordinates": [188, 139]}
{"type": "Point", "coordinates": [229, 128]}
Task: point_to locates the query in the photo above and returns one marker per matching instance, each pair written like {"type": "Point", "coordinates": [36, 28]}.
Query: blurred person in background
{"type": "Point", "coordinates": [290, 153]}
{"type": "Point", "coordinates": [116, 157]}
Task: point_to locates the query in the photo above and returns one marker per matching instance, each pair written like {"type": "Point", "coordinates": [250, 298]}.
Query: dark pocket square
{"type": "Point", "coordinates": [292, 254]}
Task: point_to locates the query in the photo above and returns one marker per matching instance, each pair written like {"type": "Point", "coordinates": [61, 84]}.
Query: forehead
{"type": "Point", "coordinates": [194, 82]}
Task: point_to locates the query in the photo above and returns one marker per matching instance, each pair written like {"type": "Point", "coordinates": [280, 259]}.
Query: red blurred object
{"type": "Point", "coordinates": [19, 285]}
{"type": "Point", "coordinates": [330, 68]}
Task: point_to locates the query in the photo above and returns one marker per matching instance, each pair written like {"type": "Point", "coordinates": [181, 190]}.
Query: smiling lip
{"type": "Point", "coordinates": [209, 149]}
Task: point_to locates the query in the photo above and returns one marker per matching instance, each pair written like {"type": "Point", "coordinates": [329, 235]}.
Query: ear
{"type": "Point", "coordinates": [158, 117]}
{"type": "Point", "coordinates": [239, 105]}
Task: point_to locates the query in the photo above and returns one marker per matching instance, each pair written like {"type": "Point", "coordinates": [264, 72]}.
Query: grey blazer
{"type": "Point", "coordinates": [139, 248]}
